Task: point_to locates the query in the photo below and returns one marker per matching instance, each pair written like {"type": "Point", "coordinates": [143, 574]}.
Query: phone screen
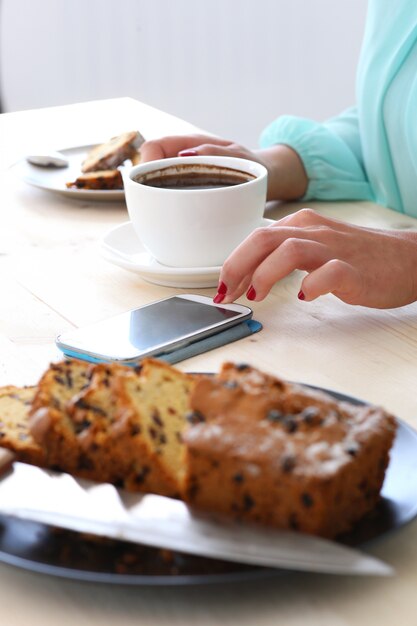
{"type": "Point", "coordinates": [150, 329]}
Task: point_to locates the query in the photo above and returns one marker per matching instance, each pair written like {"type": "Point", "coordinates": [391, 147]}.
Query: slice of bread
{"type": "Point", "coordinates": [15, 403]}
{"type": "Point", "coordinates": [109, 155]}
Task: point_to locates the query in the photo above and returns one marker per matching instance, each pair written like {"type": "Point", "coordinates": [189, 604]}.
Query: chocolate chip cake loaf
{"type": "Point", "coordinates": [240, 443]}
{"type": "Point", "coordinates": [272, 452]}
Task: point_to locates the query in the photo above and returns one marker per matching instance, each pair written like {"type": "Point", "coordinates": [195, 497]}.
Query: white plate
{"type": "Point", "coordinates": [55, 179]}
{"type": "Point", "coordinates": [122, 247]}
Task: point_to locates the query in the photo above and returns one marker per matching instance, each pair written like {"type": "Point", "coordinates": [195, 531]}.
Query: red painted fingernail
{"type": "Point", "coordinates": [222, 288]}
{"type": "Point", "coordinates": [301, 295]}
{"type": "Point", "coordinates": [188, 153]}
{"type": "Point", "coordinates": [219, 297]}
{"type": "Point", "coordinates": [251, 293]}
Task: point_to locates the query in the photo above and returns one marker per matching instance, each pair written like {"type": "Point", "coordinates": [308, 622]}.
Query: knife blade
{"type": "Point", "coordinates": [35, 494]}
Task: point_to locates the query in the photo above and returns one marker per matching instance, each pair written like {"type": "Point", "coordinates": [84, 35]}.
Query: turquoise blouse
{"type": "Point", "coordinates": [369, 152]}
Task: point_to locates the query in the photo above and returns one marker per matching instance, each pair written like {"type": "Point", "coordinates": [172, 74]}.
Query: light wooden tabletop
{"type": "Point", "coordinates": [53, 277]}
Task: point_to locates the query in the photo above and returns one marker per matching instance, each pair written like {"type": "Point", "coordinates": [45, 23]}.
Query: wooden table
{"type": "Point", "coordinates": [52, 277]}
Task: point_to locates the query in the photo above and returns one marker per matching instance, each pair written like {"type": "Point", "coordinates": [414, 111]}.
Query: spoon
{"type": "Point", "coordinates": [48, 159]}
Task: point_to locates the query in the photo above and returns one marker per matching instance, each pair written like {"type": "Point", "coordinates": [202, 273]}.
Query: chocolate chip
{"type": "Point", "coordinates": [288, 464]}
{"type": "Point", "coordinates": [309, 414]}
{"type": "Point", "coordinates": [238, 478]}
{"type": "Point", "coordinates": [84, 463]}
{"type": "Point", "coordinates": [82, 404]}
{"type": "Point", "coordinates": [290, 424]}
{"type": "Point", "coordinates": [230, 384]}
{"type": "Point", "coordinates": [241, 367]}
{"type": "Point", "coordinates": [193, 490]}
{"type": "Point", "coordinates": [135, 430]}
{"type": "Point", "coordinates": [156, 418]}
{"type": "Point", "coordinates": [79, 427]}
{"type": "Point", "coordinates": [248, 502]}
{"type": "Point", "coordinates": [307, 500]}
{"type": "Point", "coordinates": [140, 476]}
{"type": "Point", "coordinates": [195, 417]}
{"type": "Point", "coordinates": [152, 432]}
{"type": "Point", "coordinates": [352, 449]}
{"type": "Point", "coordinates": [293, 522]}
{"type": "Point", "coordinates": [274, 415]}
{"type": "Point", "coordinates": [68, 379]}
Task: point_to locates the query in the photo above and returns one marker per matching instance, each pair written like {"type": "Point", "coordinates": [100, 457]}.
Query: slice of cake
{"type": "Point", "coordinates": [61, 382]}
{"type": "Point", "coordinates": [109, 155]}
{"type": "Point", "coordinates": [102, 179]}
{"type": "Point", "coordinates": [15, 403]}
{"type": "Point", "coordinates": [48, 412]}
{"type": "Point", "coordinates": [159, 402]}
{"type": "Point", "coordinates": [276, 453]}
{"type": "Point", "coordinates": [107, 437]}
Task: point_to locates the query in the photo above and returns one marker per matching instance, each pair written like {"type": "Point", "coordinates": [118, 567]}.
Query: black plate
{"type": "Point", "coordinates": [68, 554]}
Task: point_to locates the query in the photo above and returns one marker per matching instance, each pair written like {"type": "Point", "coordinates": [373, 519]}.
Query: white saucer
{"type": "Point", "coordinates": [122, 247]}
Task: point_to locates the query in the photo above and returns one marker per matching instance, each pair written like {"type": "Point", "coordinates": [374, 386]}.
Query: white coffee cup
{"type": "Point", "coordinates": [200, 225]}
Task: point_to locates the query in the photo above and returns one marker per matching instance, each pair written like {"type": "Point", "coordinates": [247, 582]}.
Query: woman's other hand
{"type": "Point", "coordinates": [361, 266]}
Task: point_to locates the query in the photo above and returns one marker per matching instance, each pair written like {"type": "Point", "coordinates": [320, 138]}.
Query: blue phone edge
{"type": "Point", "coordinates": [239, 331]}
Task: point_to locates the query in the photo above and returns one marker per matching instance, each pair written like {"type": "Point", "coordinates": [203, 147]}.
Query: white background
{"type": "Point", "coordinates": [229, 66]}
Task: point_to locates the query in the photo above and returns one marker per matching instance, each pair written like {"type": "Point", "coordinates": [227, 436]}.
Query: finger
{"type": "Point", "coordinates": [230, 149]}
{"type": "Point", "coordinates": [171, 145]}
{"type": "Point", "coordinates": [307, 218]}
{"type": "Point", "coordinates": [293, 254]}
{"type": "Point", "coordinates": [238, 291]}
{"type": "Point", "coordinates": [258, 246]}
{"type": "Point", "coordinates": [337, 277]}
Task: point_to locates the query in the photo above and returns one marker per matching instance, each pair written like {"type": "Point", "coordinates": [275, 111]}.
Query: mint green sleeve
{"type": "Point", "coordinates": [330, 151]}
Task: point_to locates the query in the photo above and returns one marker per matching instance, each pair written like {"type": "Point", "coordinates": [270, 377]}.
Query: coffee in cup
{"type": "Point", "coordinates": [197, 176]}
{"type": "Point", "coordinates": [193, 211]}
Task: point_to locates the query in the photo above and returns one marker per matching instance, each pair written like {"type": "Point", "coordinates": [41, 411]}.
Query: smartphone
{"type": "Point", "coordinates": [154, 329]}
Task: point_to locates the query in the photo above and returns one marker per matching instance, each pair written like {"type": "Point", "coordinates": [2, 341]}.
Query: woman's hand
{"type": "Point", "coordinates": [193, 145]}
{"type": "Point", "coordinates": [362, 266]}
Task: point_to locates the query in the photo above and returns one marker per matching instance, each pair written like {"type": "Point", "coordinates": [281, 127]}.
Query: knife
{"type": "Point", "coordinates": [58, 499]}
